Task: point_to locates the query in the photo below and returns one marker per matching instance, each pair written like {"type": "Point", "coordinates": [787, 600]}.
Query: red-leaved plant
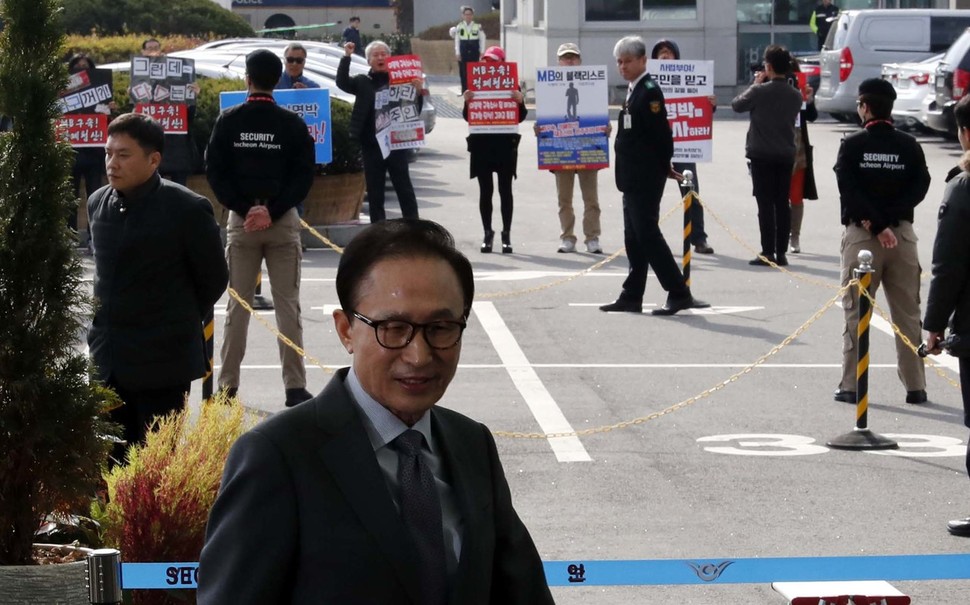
{"type": "Point", "coordinates": [158, 503]}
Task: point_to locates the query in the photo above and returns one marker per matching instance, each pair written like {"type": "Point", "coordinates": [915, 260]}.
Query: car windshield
{"type": "Point", "coordinates": [838, 33]}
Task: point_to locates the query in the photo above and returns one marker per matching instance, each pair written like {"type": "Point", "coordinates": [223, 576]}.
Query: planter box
{"type": "Point", "coordinates": [60, 584]}
{"type": "Point", "coordinates": [333, 199]}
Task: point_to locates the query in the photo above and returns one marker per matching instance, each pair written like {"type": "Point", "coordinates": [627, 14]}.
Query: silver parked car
{"type": "Point", "coordinates": [860, 41]}
{"type": "Point", "coordinates": [913, 81]}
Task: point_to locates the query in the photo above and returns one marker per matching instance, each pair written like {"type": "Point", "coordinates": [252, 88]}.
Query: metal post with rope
{"type": "Point", "coordinates": [688, 225]}
{"type": "Point", "coordinates": [861, 438]}
{"type": "Point", "coordinates": [209, 331]}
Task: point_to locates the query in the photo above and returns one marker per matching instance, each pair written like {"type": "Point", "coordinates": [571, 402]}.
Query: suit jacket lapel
{"type": "Point", "coordinates": [347, 453]}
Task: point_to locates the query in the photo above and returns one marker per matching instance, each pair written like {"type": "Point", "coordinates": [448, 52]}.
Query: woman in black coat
{"type": "Point", "coordinates": [498, 153]}
{"type": "Point", "coordinates": [803, 175]}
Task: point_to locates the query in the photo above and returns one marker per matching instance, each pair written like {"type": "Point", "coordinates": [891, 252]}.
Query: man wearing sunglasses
{"type": "Point", "coordinates": [294, 58]}
{"type": "Point", "coordinates": [369, 492]}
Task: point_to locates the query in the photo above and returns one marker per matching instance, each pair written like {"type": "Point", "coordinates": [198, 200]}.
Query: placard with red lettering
{"type": "Point", "coordinates": [687, 86]}
{"type": "Point", "coordinates": [493, 76]}
{"type": "Point", "coordinates": [493, 110]}
{"type": "Point", "coordinates": [403, 69]}
{"type": "Point", "coordinates": [173, 117]}
{"type": "Point", "coordinates": [84, 129]}
{"type": "Point", "coordinates": [85, 103]}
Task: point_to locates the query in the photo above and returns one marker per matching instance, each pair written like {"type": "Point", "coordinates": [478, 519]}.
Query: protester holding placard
{"type": "Point", "coordinates": [569, 55]}
{"type": "Point", "coordinates": [495, 147]}
{"type": "Point", "coordinates": [88, 158]}
{"type": "Point", "coordinates": [667, 50]}
{"type": "Point", "coordinates": [176, 92]}
{"type": "Point", "coordinates": [372, 128]}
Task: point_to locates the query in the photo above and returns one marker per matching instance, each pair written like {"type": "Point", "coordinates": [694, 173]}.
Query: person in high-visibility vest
{"type": "Point", "coordinates": [821, 20]}
{"type": "Point", "coordinates": [469, 43]}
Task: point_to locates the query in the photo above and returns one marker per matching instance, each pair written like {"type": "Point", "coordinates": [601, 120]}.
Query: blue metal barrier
{"type": "Point", "coordinates": [654, 572]}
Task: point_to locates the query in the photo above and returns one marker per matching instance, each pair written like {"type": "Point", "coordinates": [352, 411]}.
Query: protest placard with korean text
{"type": "Point", "coordinates": [686, 86]}
{"type": "Point", "coordinates": [85, 103]}
{"type": "Point", "coordinates": [493, 109]}
{"type": "Point", "coordinates": [572, 116]}
{"type": "Point", "coordinates": [311, 104]}
{"type": "Point", "coordinates": [162, 88]}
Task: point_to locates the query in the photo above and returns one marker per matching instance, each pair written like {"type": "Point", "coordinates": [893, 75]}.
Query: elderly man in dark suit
{"type": "Point", "coordinates": [644, 147]}
{"type": "Point", "coordinates": [368, 493]}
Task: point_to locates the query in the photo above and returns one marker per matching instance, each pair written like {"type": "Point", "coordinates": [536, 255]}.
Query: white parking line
{"type": "Point", "coordinates": [525, 379]}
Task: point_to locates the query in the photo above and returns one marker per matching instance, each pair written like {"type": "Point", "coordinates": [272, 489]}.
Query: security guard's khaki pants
{"type": "Point", "coordinates": [591, 211]}
{"type": "Point", "coordinates": [898, 271]}
{"type": "Point", "coordinates": [280, 247]}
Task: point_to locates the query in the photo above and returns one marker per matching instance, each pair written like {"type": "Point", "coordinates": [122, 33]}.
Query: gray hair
{"type": "Point", "coordinates": [373, 46]}
{"type": "Point", "coordinates": [631, 45]}
{"type": "Point", "coordinates": [295, 46]}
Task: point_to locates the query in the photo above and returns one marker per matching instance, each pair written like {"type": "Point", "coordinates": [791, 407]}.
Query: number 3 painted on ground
{"type": "Point", "coordinates": [768, 444]}
{"type": "Point", "coordinates": [765, 444]}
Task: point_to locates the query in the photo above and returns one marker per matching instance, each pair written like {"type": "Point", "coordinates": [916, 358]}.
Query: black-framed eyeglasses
{"type": "Point", "coordinates": [299, 60]}
{"type": "Point", "coordinates": [398, 333]}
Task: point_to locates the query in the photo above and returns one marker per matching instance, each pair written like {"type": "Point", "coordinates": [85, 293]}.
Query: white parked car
{"type": "Point", "coordinates": [219, 64]}
{"type": "Point", "coordinates": [913, 82]}
{"type": "Point", "coordinates": [322, 59]}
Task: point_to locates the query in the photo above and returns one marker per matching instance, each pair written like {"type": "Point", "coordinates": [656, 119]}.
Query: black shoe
{"type": "Point", "coordinates": [623, 306]}
{"type": "Point", "coordinates": [959, 527]}
{"type": "Point", "coordinates": [844, 396]}
{"type": "Point", "coordinates": [297, 396]}
{"type": "Point", "coordinates": [506, 243]}
{"type": "Point", "coordinates": [760, 262]}
{"type": "Point", "coordinates": [916, 396]}
{"type": "Point", "coordinates": [487, 242]}
{"type": "Point", "coordinates": [703, 247]}
{"type": "Point", "coordinates": [229, 392]}
{"type": "Point", "coordinates": [675, 305]}
{"type": "Point", "coordinates": [782, 260]}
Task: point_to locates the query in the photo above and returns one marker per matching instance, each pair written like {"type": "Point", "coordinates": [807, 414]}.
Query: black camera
{"type": "Point", "coordinates": [756, 67]}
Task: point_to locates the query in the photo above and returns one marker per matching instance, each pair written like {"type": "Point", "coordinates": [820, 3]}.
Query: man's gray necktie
{"type": "Point", "coordinates": [421, 513]}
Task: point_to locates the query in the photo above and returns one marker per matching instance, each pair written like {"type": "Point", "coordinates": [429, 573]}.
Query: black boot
{"type": "Point", "coordinates": [506, 243]}
{"type": "Point", "coordinates": [487, 242]}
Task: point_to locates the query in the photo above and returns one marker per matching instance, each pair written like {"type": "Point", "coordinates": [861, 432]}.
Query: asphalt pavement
{"type": "Point", "coordinates": [740, 472]}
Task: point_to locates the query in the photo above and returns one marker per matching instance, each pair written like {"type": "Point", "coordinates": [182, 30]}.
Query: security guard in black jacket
{"type": "Point", "coordinates": [158, 269]}
{"type": "Point", "coordinates": [644, 147]}
{"type": "Point", "coordinates": [260, 164]}
{"type": "Point", "coordinates": [882, 176]}
{"type": "Point", "coordinates": [949, 300]}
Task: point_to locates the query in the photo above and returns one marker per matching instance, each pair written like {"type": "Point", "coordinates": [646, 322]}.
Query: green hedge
{"type": "Point", "coordinates": [346, 151]}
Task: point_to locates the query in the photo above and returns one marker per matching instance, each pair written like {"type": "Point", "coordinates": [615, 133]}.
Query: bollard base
{"type": "Point", "coordinates": [261, 303]}
{"type": "Point", "coordinates": [862, 439]}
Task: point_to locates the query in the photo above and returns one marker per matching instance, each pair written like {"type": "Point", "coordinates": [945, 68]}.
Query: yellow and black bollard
{"type": "Point", "coordinates": [260, 302]}
{"type": "Point", "coordinates": [688, 183]}
{"type": "Point", "coordinates": [209, 329]}
{"type": "Point", "coordinates": [861, 438]}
